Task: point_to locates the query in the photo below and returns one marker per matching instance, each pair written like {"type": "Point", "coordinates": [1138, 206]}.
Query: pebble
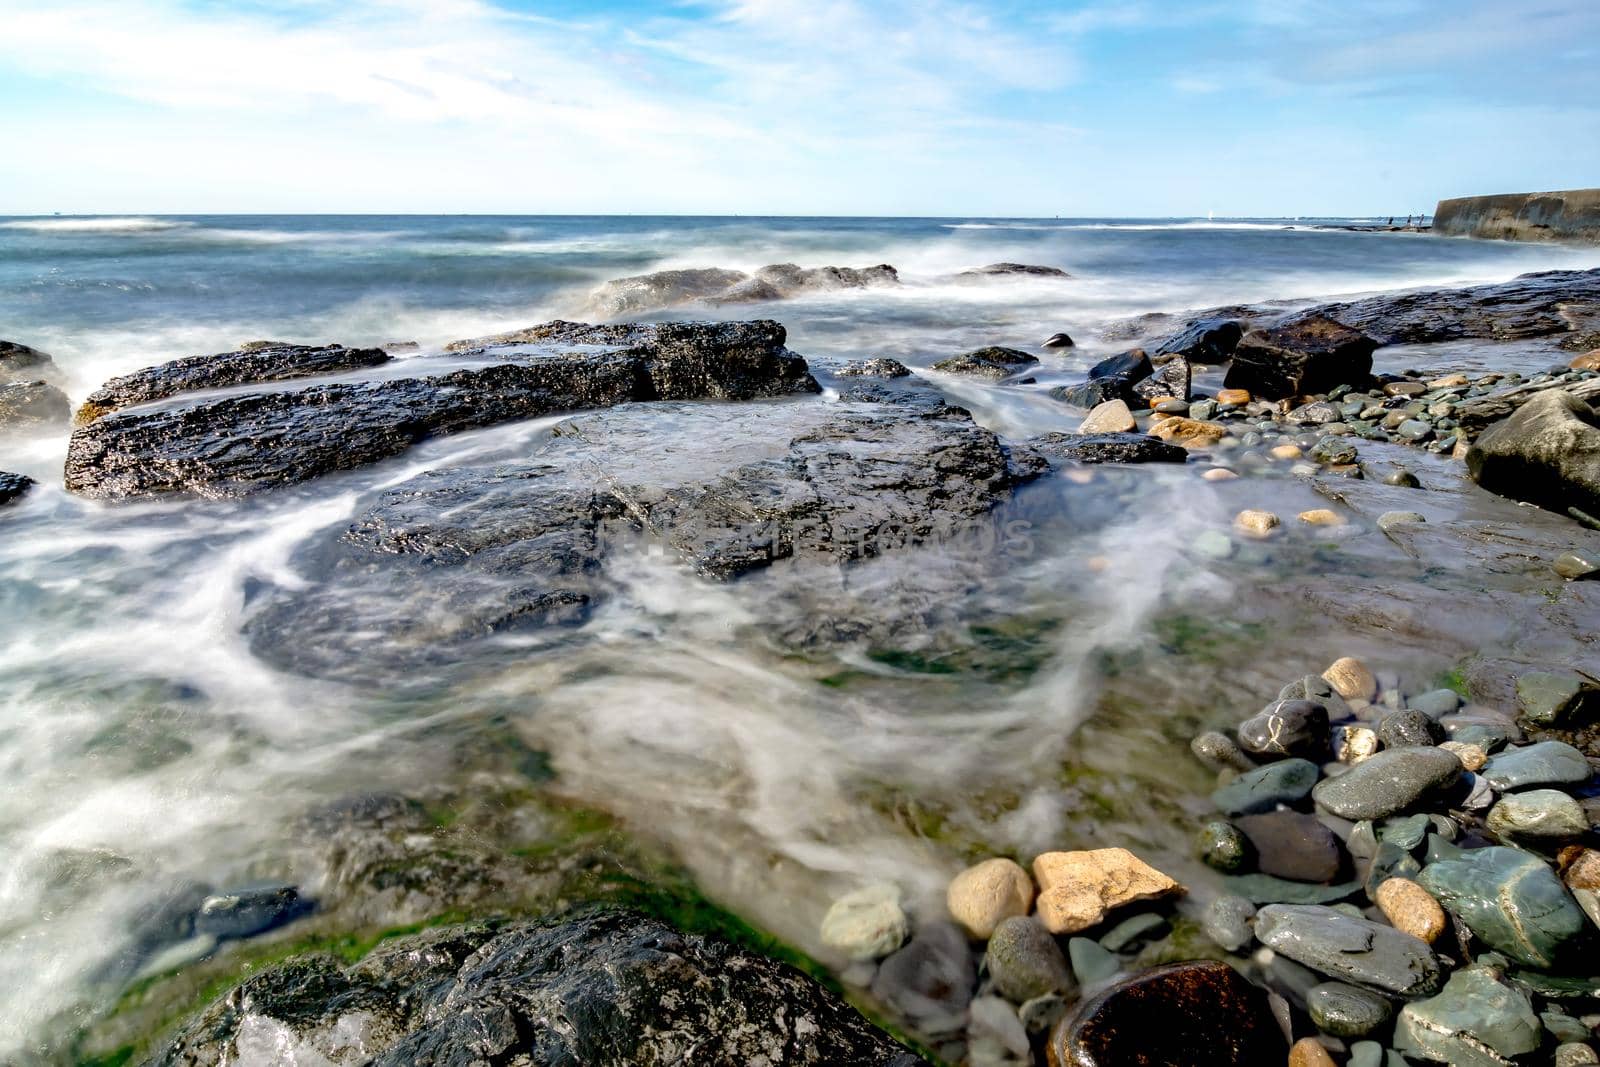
{"type": "Point", "coordinates": [1041, 1013]}
{"type": "Point", "coordinates": [1344, 1010]}
{"type": "Point", "coordinates": [1355, 950]}
{"type": "Point", "coordinates": [1408, 907]}
{"type": "Point", "coordinates": [1388, 782]}
{"type": "Point", "coordinates": [982, 897]}
{"type": "Point", "coordinates": [1092, 963]}
{"type": "Point", "coordinates": [1291, 845]}
{"type": "Point", "coordinates": [1409, 728]}
{"type": "Point", "coordinates": [1352, 744]}
{"type": "Point", "coordinates": [1226, 921]}
{"type": "Point", "coordinates": [866, 924]}
{"type": "Point", "coordinates": [1402, 478]}
{"type": "Point", "coordinates": [1390, 519]}
{"type": "Point", "coordinates": [1079, 889]}
{"type": "Point", "coordinates": [1263, 789]}
{"type": "Point", "coordinates": [1321, 517]}
{"type": "Point", "coordinates": [930, 980]}
{"type": "Point", "coordinates": [1286, 452]}
{"type": "Point", "coordinates": [1546, 763]}
{"type": "Point", "coordinates": [1472, 756]}
{"type": "Point", "coordinates": [995, 1035]}
{"type": "Point", "coordinates": [1134, 931]}
{"type": "Point", "coordinates": [1351, 679]}
{"type": "Point", "coordinates": [1233, 397]}
{"type": "Point", "coordinates": [1219, 752]}
{"type": "Point", "coordinates": [1171, 406]}
{"type": "Point", "coordinates": [1575, 1054]}
{"type": "Point", "coordinates": [1365, 1054]}
{"type": "Point", "coordinates": [1254, 522]}
{"type": "Point", "coordinates": [1112, 416]}
{"type": "Point", "coordinates": [1511, 900]}
{"type": "Point", "coordinates": [1548, 698]}
{"type": "Point", "coordinates": [1436, 703]}
{"type": "Point", "coordinates": [1308, 1052]}
{"type": "Point", "coordinates": [1024, 961]}
{"type": "Point", "coordinates": [1219, 474]}
{"type": "Point", "coordinates": [1538, 813]}
{"type": "Point", "coordinates": [1223, 847]}
{"type": "Point", "coordinates": [1286, 728]}
{"type": "Point", "coordinates": [1475, 1014]}
{"type": "Point", "coordinates": [1575, 567]}
{"type": "Point", "coordinates": [1058, 340]}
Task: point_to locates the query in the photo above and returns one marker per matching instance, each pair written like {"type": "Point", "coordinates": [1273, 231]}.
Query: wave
{"type": "Point", "coordinates": [96, 225]}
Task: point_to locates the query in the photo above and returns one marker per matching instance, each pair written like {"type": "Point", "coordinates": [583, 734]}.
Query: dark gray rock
{"type": "Point", "coordinates": [930, 981]}
{"type": "Point", "coordinates": [1346, 1010]}
{"type": "Point", "coordinates": [1220, 752]}
{"type": "Point", "coordinates": [1000, 269]}
{"type": "Point", "coordinates": [1107, 448]}
{"type": "Point", "coordinates": [1226, 921]}
{"type": "Point", "coordinates": [604, 988]}
{"type": "Point", "coordinates": [993, 362]}
{"type": "Point", "coordinates": [1128, 367]}
{"type": "Point", "coordinates": [1294, 846]}
{"type": "Point", "coordinates": [1285, 782]}
{"type": "Point", "coordinates": [1548, 454]}
{"type": "Point", "coordinates": [258, 363]}
{"type": "Point", "coordinates": [1024, 961]}
{"type": "Point", "coordinates": [1547, 698]}
{"type": "Point", "coordinates": [1409, 728]}
{"type": "Point", "coordinates": [247, 912]}
{"type": "Point", "coordinates": [1059, 340]}
{"type": "Point", "coordinates": [294, 435]}
{"type": "Point", "coordinates": [1287, 728]}
{"type": "Point", "coordinates": [1308, 355]}
{"type": "Point", "coordinates": [31, 406]}
{"type": "Point", "coordinates": [13, 487]}
{"type": "Point", "coordinates": [1388, 782]}
{"type": "Point", "coordinates": [874, 368]}
{"type": "Point", "coordinates": [1223, 847]}
{"type": "Point", "coordinates": [1096, 391]}
{"type": "Point", "coordinates": [1205, 340]}
{"type": "Point", "coordinates": [1528, 306]}
{"type": "Point", "coordinates": [1170, 381]}
{"type": "Point", "coordinates": [1532, 766]}
{"type": "Point", "coordinates": [1512, 901]}
{"type": "Point", "coordinates": [1354, 950]}
{"type": "Point", "coordinates": [19, 363]}
{"type": "Point", "coordinates": [1199, 1014]}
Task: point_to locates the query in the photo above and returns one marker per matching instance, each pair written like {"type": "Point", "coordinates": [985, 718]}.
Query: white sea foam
{"type": "Point", "coordinates": [96, 224]}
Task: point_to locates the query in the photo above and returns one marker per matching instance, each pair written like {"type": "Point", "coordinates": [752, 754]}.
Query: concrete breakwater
{"type": "Point", "coordinates": [1571, 215]}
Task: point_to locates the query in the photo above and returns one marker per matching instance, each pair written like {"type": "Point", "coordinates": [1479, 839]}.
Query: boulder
{"type": "Point", "coordinates": [235, 445]}
{"type": "Point", "coordinates": [874, 368]}
{"type": "Point", "coordinates": [19, 363]}
{"type": "Point", "coordinates": [1107, 448]}
{"type": "Point", "coordinates": [1312, 354]}
{"type": "Point", "coordinates": [32, 405]}
{"type": "Point", "coordinates": [606, 988]}
{"type": "Point", "coordinates": [1531, 305]}
{"type": "Point", "coordinates": [1001, 269]}
{"type": "Point", "coordinates": [1203, 340]}
{"type": "Point", "coordinates": [1547, 453]}
{"type": "Point", "coordinates": [666, 288]}
{"type": "Point", "coordinates": [269, 362]}
{"type": "Point", "coordinates": [993, 362]}
{"type": "Point", "coordinates": [13, 486]}
{"type": "Point", "coordinates": [1200, 1014]}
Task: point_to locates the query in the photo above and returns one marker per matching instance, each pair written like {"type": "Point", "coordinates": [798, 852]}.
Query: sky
{"type": "Point", "coordinates": [799, 107]}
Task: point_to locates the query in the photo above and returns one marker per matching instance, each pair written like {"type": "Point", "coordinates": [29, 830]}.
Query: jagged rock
{"type": "Point", "coordinates": [257, 362]}
{"type": "Point", "coordinates": [874, 368]}
{"type": "Point", "coordinates": [1548, 454]}
{"type": "Point", "coordinates": [603, 988]}
{"type": "Point", "coordinates": [1094, 392]}
{"type": "Point", "coordinates": [993, 362]}
{"type": "Point", "coordinates": [715, 286]}
{"type": "Point", "coordinates": [1310, 354]}
{"type": "Point", "coordinates": [1034, 270]}
{"type": "Point", "coordinates": [241, 444]}
{"type": "Point", "coordinates": [19, 363]}
{"type": "Point", "coordinates": [1107, 448]}
{"type": "Point", "coordinates": [1205, 340]}
{"type": "Point", "coordinates": [1530, 305]}
{"type": "Point", "coordinates": [26, 405]}
{"type": "Point", "coordinates": [1171, 379]}
{"type": "Point", "coordinates": [13, 487]}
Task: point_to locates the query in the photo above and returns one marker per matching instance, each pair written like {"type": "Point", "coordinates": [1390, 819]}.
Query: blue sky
{"type": "Point", "coordinates": [1138, 107]}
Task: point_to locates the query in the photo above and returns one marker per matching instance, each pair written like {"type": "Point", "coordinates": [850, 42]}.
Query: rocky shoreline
{"type": "Point", "coordinates": [1390, 873]}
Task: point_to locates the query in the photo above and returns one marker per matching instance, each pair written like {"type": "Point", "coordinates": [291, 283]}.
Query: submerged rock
{"type": "Point", "coordinates": [604, 988]}
{"type": "Point", "coordinates": [993, 362]}
{"type": "Point", "coordinates": [1031, 269]}
{"type": "Point", "coordinates": [241, 444]}
{"type": "Point", "coordinates": [866, 924]}
{"type": "Point", "coordinates": [19, 363]}
{"type": "Point", "coordinates": [13, 487]}
{"type": "Point", "coordinates": [930, 982]}
{"type": "Point", "coordinates": [258, 362]}
{"type": "Point", "coordinates": [1107, 448]}
{"type": "Point", "coordinates": [715, 286]}
{"type": "Point", "coordinates": [1312, 354]}
{"type": "Point", "coordinates": [1548, 454]}
{"type": "Point", "coordinates": [1199, 1014]}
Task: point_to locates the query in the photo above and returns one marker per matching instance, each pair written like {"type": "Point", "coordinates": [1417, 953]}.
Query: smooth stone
{"type": "Point", "coordinates": [1436, 703]}
{"type": "Point", "coordinates": [1545, 763]}
{"type": "Point", "coordinates": [1472, 756]}
{"type": "Point", "coordinates": [1575, 1054]}
{"type": "Point", "coordinates": [983, 896]}
{"type": "Point", "coordinates": [1402, 478]}
{"type": "Point", "coordinates": [930, 981]}
{"type": "Point", "coordinates": [1227, 921]}
{"type": "Point", "coordinates": [1406, 831]}
{"type": "Point", "coordinates": [1351, 679]}
{"type": "Point", "coordinates": [995, 1034]}
{"type": "Point", "coordinates": [1409, 728]}
{"type": "Point", "coordinates": [866, 924]}
{"type": "Point", "coordinates": [1285, 782]}
{"type": "Point", "coordinates": [1287, 728]}
{"type": "Point", "coordinates": [1576, 567]}
{"type": "Point", "coordinates": [1292, 845]}
{"type": "Point", "coordinates": [1198, 1014]}
{"type": "Point", "coordinates": [1253, 522]}
{"type": "Point", "coordinates": [1091, 963]}
{"type": "Point", "coordinates": [1476, 1021]}
{"type": "Point", "coordinates": [1112, 416]}
{"type": "Point", "coordinates": [1058, 340]}
{"type": "Point", "coordinates": [1024, 960]}
{"type": "Point", "coordinates": [1541, 813]}
{"type": "Point", "coordinates": [248, 912]}
{"type": "Point", "coordinates": [1308, 1052]}
{"type": "Point", "coordinates": [1564, 1027]}
{"type": "Point", "coordinates": [1079, 889]}
{"type": "Point", "coordinates": [1345, 1010]}
{"type": "Point", "coordinates": [1355, 950]}
{"type": "Point", "coordinates": [1548, 698]}
{"type": "Point", "coordinates": [1410, 909]}
{"type": "Point", "coordinates": [1223, 847]}
{"type": "Point", "coordinates": [1391, 519]}
{"type": "Point", "coordinates": [1365, 1054]}
{"type": "Point", "coordinates": [1388, 782]}
{"type": "Point", "coordinates": [1320, 517]}
{"type": "Point", "coordinates": [1219, 474]}
{"type": "Point", "coordinates": [1511, 900]}
{"type": "Point", "coordinates": [1219, 752]}
{"type": "Point", "coordinates": [1265, 889]}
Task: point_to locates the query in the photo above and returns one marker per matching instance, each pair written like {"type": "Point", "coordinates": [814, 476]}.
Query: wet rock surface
{"type": "Point", "coordinates": [13, 487]}
{"type": "Point", "coordinates": [32, 405]}
{"type": "Point", "coordinates": [20, 363]}
{"type": "Point", "coordinates": [992, 361]}
{"type": "Point", "coordinates": [606, 987]}
{"type": "Point", "coordinates": [298, 434]}
{"type": "Point", "coordinates": [1548, 453]}
{"type": "Point", "coordinates": [717, 286]}
{"type": "Point", "coordinates": [1355, 950]}
{"type": "Point", "coordinates": [272, 362]}
{"type": "Point", "coordinates": [1310, 354]}
{"type": "Point", "coordinates": [1107, 448]}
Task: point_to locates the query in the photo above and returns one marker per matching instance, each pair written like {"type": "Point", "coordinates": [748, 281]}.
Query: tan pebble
{"type": "Point", "coordinates": [1352, 744]}
{"type": "Point", "coordinates": [1308, 1052]}
{"type": "Point", "coordinates": [1587, 361]}
{"type": "Point", "coordinates": [1098, 564]}
{"type": "Point", "coordinates": [1321, 517]}
{"type": "Point", "coordinates": [1078, 889]}
{"type": "Point", "coordinates": [1408, 907]}
{"type": "Point", "coordinates": [1580, 867]}
{"type": "Point", "coordinates": [1351, 679]}
{"type": "Point", "coordinates": [1233, 396]}
{"type": "Point", "coordinates": [1078, 476]}
{"type": "Point", "coordinates": [1113, 416]}
{"type": "Point", "coordinates": [1190, 433]}
{"type": "Point", "coordinates": [1472, 757]}
{"type": "Point", "coordinates": [1219, 474]}
{"type": "Point", "coordinates": [1256, 523]}
{"type": "Point", "coordinates": [1287, 452]}
{"type": "Point", "coordinates": [981, 897]}
{"type": "Point", "coordinates": [1449, 381]}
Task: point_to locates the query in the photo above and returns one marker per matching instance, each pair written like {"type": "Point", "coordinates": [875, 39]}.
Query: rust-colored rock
{"type": "Point", "coordinates": [1200, 1014]}
{"type": "Point", "coordinates": [1190, 433]}
{"type": "Point", "coordinates": [1308, 1052]}
{"type": "Point", "coordinates": [1410, 909]}
{"type": "Point", "coordinates": [1233, 396]}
